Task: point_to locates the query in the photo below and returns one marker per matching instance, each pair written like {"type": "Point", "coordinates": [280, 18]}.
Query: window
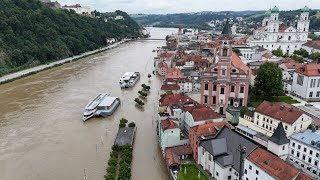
{"type": "Point", "coordinates": [311, 94]}
{"type": "Point", "coordinates": [230, 169]}
{"type": "Point", "coordinates": [286, 127]}
{"type": "Point", "coordinates": [283, 147]}
{"type": "Point", "coordinates": [223, 72]}
{"type": "Point", "coordinates": [317, 154]}
{"type": "Point", "coordinates": [293, 144]}
{"type": "Point", "coordinates": [247, 178]}
{"type": "Point", "coordinates": [232, 88]}
{"type": "Point", "coordinates": [222, 91]}
{"type": "Point", "coordinates": [258, 117]}
{"type": "Point", "coordinates": [257, 172]}
{"type": "Point", "coordinates": [225, 52]}
{"type": "Point", "coordinates": [298, 154]}
{"type": "Point", "coordinates": [310, 152]}
{"type": "Point", "coordinates": [309, 159]}
{"type": "Point", "coordinates": [217, 174]}
{"type": "Point", "coordinates": [318, 93]}
{"type": "Point", "coordinates": [250, 167]}
{"type": "Point", "coordinates": [300, 80]}
{"type": "Point", "coordinates": [289, 38]}
{"type": "Point", "coordinates": [292, 152]}
{"type": "Point", "coordinates": [245, 171]}
{"type": "Point", "coordinates": [206, 86]}
{"type": "Point", "coordinates": [242, 89]}
{"type": "Point", "coordinates": [213, 99]}
{"type": "Point", "coordinates": [304, 149]}
{"type": "Point", "coordinates": [304, 157]}
{"type": "Point", "coordinates": [205, 99]}
{"type": "Point", "coordinates": [316, 163]}
{"type": "Point", "coordinates": [214, 87]}
{"type": "Point", "coordinates": [229, 177]}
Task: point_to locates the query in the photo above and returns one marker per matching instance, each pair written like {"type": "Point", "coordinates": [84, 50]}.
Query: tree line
{"type": "Point", "coordinates": [33, 33]}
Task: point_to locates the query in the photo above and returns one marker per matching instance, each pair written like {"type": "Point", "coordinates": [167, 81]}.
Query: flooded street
{"type": "Point", "coordinates": [42, 135]}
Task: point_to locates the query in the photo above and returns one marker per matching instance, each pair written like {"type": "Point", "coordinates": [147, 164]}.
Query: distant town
{"type": "Point", "coordinates": [237, 106]}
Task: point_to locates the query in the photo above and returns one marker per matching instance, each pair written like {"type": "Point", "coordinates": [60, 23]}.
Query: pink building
{"type": "Point", "coordinates": [227, 81]}
{"type": "Point", "coordinates": [162, 68]}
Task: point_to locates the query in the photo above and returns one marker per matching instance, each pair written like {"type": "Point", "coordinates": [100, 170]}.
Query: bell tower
{"type": "Point", "coordinates": [274, 23]}
{"type": "Point", "coordinates": [303, 23]}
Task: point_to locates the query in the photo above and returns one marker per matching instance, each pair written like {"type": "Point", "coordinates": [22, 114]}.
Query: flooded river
{"type": "Point", "coordinates": [42, 135]}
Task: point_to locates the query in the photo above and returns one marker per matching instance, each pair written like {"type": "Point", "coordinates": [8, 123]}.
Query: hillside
{"type": "Point", "coordinates": [32, 33]}
{"type": "Point", "coordinates": [192, 20]}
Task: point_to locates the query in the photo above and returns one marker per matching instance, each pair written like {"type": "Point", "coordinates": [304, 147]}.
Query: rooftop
{"type": "Point", "coordinates": [279, 135]}
{"type": "Point", "coordinates": [226, 144]}
{"type": "Point", "coordinates": [308, 137]}
{"type": "Point", "coordinates": [209, 129]}
{"type": "Point", "coordinates": [172, 153]}
{"type": "Point", "coordinates": [170, 87]}
{"type": "Point", "coordinates": [203, 113]}
{"type": "Point", "coordinates": [273, 165]}
{"type": "Point", "coordinates": [309, 70]}
{"type": "Point", "coordinates": [279, 110]}
{"type": "Point", "coordinates": [168, 124]}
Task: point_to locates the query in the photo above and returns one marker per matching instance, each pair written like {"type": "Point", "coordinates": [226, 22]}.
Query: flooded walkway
{"type": "Point", "coordinates": [42, 135]}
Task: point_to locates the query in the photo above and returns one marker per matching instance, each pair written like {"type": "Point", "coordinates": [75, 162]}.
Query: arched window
{"type": "Point", "coordinates": [225, 52]}
{"type": "Point", "coordinates": [304, 29]}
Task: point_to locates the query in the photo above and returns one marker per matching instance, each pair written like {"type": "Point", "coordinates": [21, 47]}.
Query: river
{"type": "Point", "coordinates": [42, 135]}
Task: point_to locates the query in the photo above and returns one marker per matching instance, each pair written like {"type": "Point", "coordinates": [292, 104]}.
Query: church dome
{"type": "Point", "coordinates": [275, 9]}
{"type": "Point", "coordinates": [305, 9]}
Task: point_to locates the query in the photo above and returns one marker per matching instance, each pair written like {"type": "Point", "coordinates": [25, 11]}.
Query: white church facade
{"type": "Point", "coordinates": [274, 34]}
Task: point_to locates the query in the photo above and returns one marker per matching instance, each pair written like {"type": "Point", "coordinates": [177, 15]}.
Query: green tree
{"type": "Point", "coordinates": [278, 52]}
{"type": "Point", "coordinates": [268, 81]}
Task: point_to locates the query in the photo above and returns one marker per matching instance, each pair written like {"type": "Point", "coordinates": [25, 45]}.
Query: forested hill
{"type": "Point", "coordinates": [32, 33]}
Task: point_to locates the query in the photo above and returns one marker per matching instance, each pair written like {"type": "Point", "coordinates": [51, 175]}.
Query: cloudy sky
{"type": "Point", "coordinates": [178, 6]}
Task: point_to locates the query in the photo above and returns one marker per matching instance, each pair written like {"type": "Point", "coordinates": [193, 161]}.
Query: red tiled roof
{"type": "Point", "coordinates": [282, 27]}
{"type": "Point", "coordinates": [170, 87]}
{"type": "Point", "coordinates": [313, 44]}
{"type": "Point", "coordinates": [272, 164]}
{"type": "Point", "coordinates": [267, 55]}
{"type": "Point", "coordinates": [304, 176]}
{"type": "Point", "coordinates": [236, 62]}
{"type": "Point", "coordinates": [174, 73]}
{"type": "Point", "coordinates": [162, 64]}
{"type": "Point", "coordinates": [292, 64]}
{"type": "Point", "coordinates": [281, 111]}
{"type": "Point", "coordinates": [209, 129]}
{"type": "Point", "coordinates": [202, 113]}
{"type": "Point", "coordinates": [168, 124]}
{"type": "Point", "coordinates": [309, 70]}
{"type": "Point", "coordinates": [175, 99]}
{"type": "Point", "coordinates": [172, 154]}
{"type": "Point", "coordinates": [166, 55]}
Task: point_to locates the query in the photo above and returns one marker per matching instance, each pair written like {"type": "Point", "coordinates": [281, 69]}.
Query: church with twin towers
{"type": "Point", "coordinates": [274, 34]}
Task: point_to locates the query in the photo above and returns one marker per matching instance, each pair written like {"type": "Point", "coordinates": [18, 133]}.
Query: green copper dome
{"type": "Point", "coordinates": [275, 9]}
{"type": "Point", "coordinates": [305, 9]}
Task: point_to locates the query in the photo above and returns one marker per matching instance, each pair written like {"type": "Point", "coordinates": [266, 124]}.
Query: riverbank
{"type": "Point", "coordinates": [20, 74]}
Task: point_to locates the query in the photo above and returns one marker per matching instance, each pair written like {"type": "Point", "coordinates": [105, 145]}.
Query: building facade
{"type": "Point", "coordinates": [227, 81]}
{"type": "Point", "coordinates": [304, 151]}
{"type": "Point", "coordinates": [306, 82]}
{"type": "Point", "coordinates": [274, 34]}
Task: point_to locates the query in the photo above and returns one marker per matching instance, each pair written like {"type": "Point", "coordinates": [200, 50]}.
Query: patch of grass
{"type": "Point", "coordinates": [256, 101]}
{"type": "Point", "coordinates": [192, 173]}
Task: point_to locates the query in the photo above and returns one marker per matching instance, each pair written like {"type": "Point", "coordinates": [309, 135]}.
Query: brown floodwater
{"type": "Point", "coordinates": [42, 135]}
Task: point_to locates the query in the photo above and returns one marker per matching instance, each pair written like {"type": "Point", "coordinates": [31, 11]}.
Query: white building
{"type": "Point", "coordinates": [170, 134]}
{"type": "Point", "coordinates": [221, 156]}
{"type": "Point", "coordinates": [305, 151]}
{"type": "Point", "coordinates": [306, 82]}
{"type": "Point", "coordinates": [312, 46]}
{"type": "Point", "coordinates": [268, 115]}
{"type": "Point", "coordinates": [273, 34]}
{"type": "Point", "coordinates": [84, 10]}
{"type": "Point", "coordinates": [119, 17]}
{"type": "Point", "coordinates": [261, 164]}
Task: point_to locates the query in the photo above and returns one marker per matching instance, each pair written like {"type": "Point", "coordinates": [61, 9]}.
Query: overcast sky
{"type": "Point", "coordinates": [179, 6]}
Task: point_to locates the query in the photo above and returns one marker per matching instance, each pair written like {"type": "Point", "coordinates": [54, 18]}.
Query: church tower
{"type": "Point", "coordinates": [274, 23]}
{"type": "Point", "coordinates": [303, 23]}
{"type": "Point", "coordinates": [278, 143]}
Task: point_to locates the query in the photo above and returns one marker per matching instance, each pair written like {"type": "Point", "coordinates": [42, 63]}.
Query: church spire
{"type": "Point", "coordinates": [227, 28]}
{"type": "Point", "coordinates": [279, 135]}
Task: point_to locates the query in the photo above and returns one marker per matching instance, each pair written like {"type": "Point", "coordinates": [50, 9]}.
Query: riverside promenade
{"type": "Point", "coordinates": [26, 72]}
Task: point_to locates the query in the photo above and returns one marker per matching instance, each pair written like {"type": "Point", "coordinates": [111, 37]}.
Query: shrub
{"type": "Point", "coordinates": [110, 176]}
{"type": "Point", "coordinates": [132, 124]}
{"type": "Point", "coordinates": [145, 87]}
{"type": "Point", "coordinates": [113, 162]}
{"type": "Point", "coordinates": [139, 102]}
{"type": "Point", "coordinates": [142, 93]}
{"type": "Point", "coordinates": [111, 169]}
{"type": "Point", "coordinates": [122, 125]}
{"type": "Point", "coordinates": [123, 120]}
{"type": "Point", "coordinates": [115, 148]}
